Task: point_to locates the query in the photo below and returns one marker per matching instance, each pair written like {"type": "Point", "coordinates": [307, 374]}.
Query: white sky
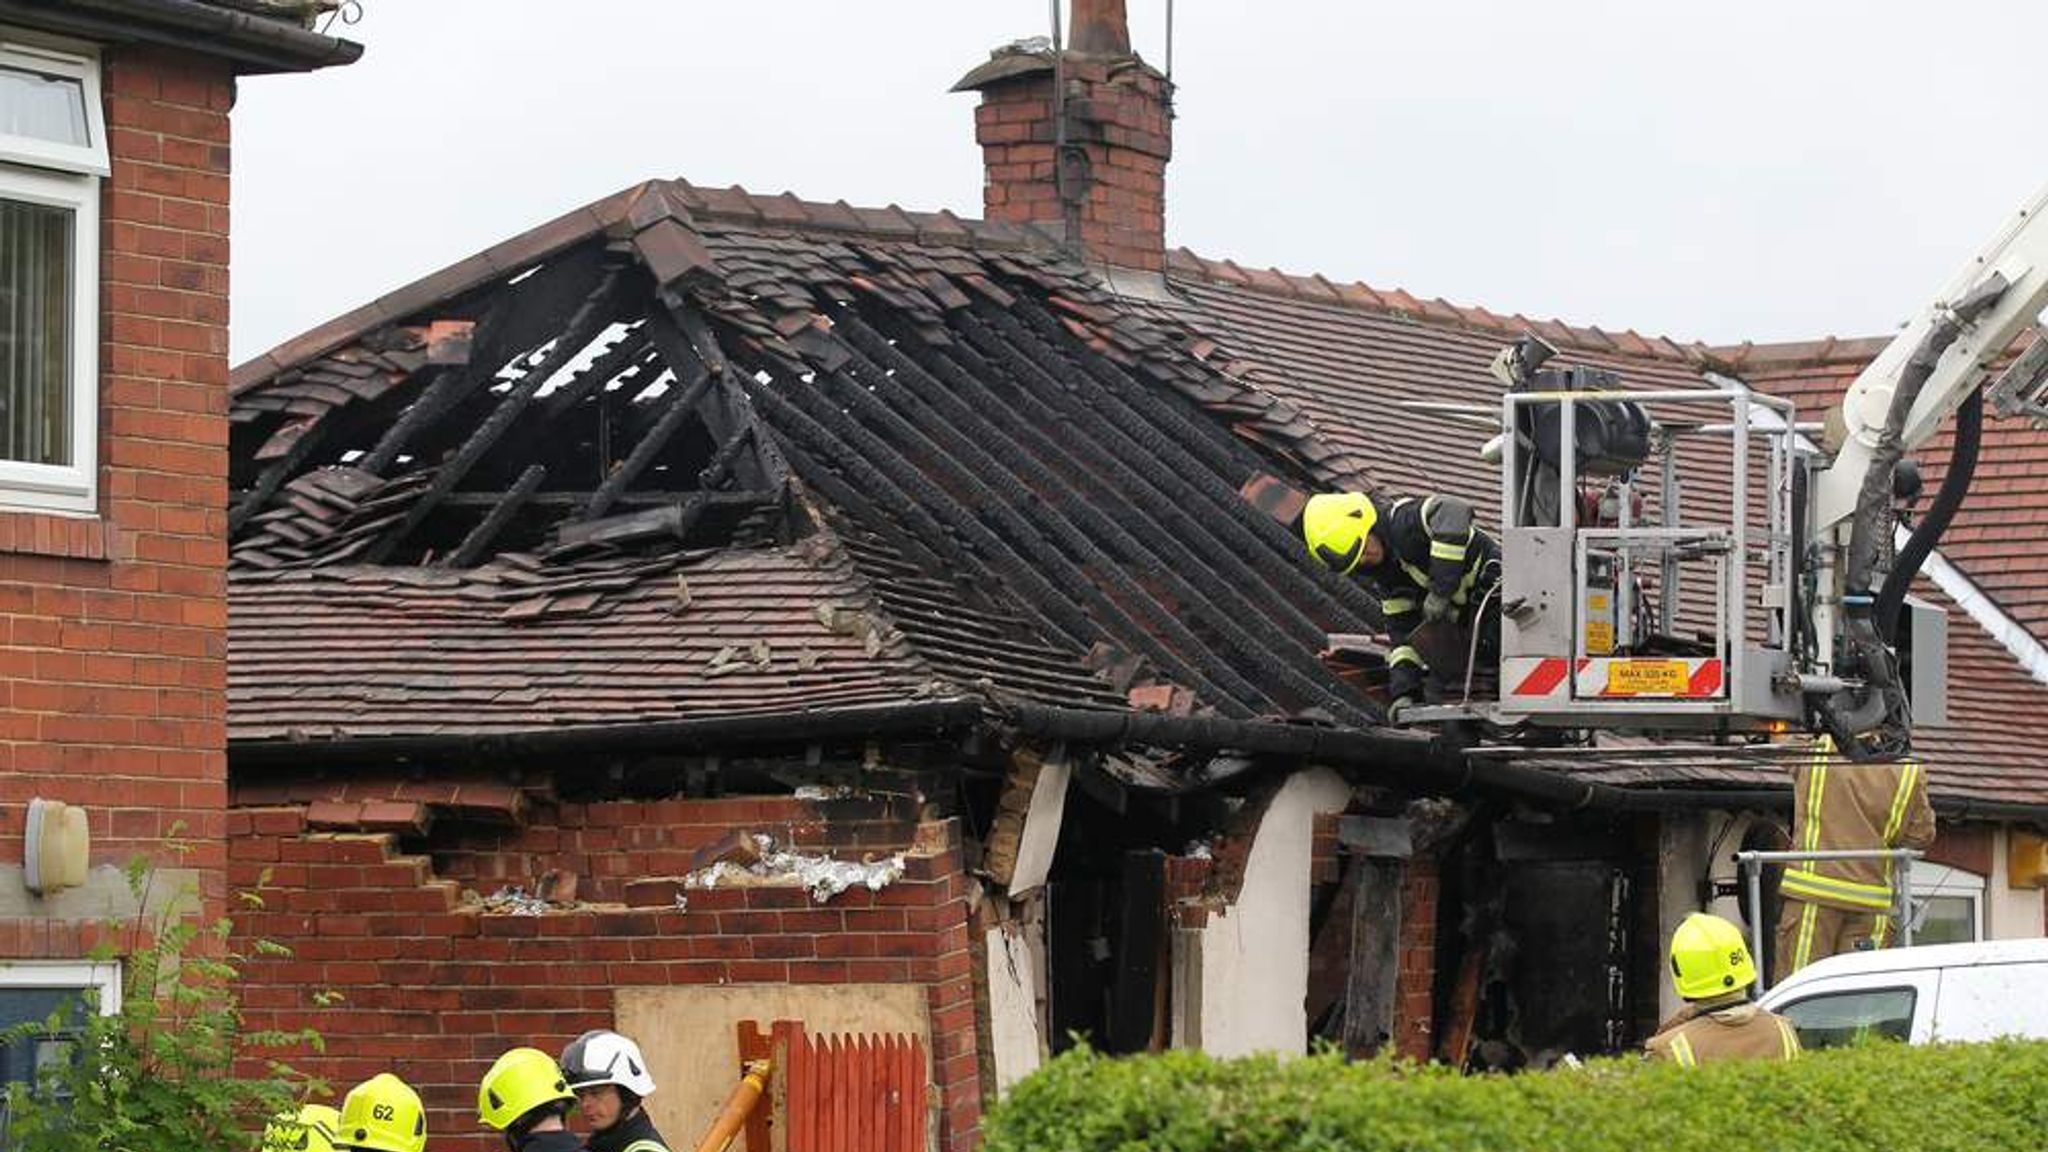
{"type": "Point", "coordinates": [1741, 169]}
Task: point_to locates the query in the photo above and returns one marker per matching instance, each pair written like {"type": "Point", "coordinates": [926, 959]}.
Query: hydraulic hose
{"type": "Point", "coordinates": [1875, 721]}
{"type": "Point", "coordinates": [1954, 486]}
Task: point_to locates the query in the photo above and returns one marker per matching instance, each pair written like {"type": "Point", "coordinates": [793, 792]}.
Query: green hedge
{"type": "Point", "coordinates": [1974, 1097]}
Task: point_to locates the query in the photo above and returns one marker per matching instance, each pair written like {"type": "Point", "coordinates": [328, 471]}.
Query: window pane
{"type": "Point", "coordinates": [1836, 1018]}
{"type": "Point", "coordinates": [1948, 920]}
{"type": "Point", "coordinates": [35, 333]}
{"type": "Point", "coordinates": [42, 107]}
{"type": "Point", "coordinates": [20, 1058]}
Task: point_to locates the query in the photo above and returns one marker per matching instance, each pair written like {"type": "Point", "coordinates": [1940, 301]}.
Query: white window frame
{"type": "Point", "coordinates": [103, 975]}
{"type": "Point", "coordinates": [28, 53]}
{"type": "Point", "coordinates": [1932, 880]}
{"type": "Point", "coordinates": [67, 177]}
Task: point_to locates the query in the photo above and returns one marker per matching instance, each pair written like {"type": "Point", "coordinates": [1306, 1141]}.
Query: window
{"type": "Point", "coordinates": [1949, 904]}
{"type": "Point", "coordinates": [1833, 1018]}
{"type": "Point", "coordinates": [29, 992]}
{"type": "Point", "coordinates": [52, 153]}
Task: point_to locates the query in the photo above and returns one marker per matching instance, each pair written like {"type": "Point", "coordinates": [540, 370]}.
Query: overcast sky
{"type": "Point", "coordinates": [1721, 171]}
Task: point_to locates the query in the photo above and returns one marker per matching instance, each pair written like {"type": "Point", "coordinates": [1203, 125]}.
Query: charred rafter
{"type": "Point", "coordinates": [692, 383]}
{"type": "Point", "coordinates": [475, 545]}
{"type": "Point", "coordinates": [590, 319]}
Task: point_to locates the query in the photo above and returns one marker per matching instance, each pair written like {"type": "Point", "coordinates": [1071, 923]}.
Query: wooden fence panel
{"type": "Point", "coordinates": [866, 1093]}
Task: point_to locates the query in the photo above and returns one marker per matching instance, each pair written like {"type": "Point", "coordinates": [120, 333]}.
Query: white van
{"type": "Point", "coordinates": [1938, 992]}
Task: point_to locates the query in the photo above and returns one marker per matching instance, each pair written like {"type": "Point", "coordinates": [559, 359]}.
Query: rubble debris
{"type": "Point", "coordinates": [516, 901]}
{"type": "Point", "coordinates": [736, 847]}
{"type": "Point", "coordinates": [823, 875]}
{"type": "Point", "coordinates": [824, 792]}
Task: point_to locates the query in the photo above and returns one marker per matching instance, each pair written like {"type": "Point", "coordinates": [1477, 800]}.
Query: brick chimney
{"type": "Point", "coordinates": [1099, 185]}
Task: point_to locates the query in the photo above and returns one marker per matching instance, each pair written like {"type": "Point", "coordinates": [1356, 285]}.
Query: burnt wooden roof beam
{"type": "Point", "coordinates": [480, 537]}
{"type": "Point", "coordinates": [685, 395]}
{"type": "Point", "coordinates": [1160, 553]}
{"type": "Point", "coordinates": [584, 326]}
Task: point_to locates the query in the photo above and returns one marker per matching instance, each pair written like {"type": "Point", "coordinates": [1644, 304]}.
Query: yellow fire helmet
{"type": "Point", "coordinates": [382, 1114]}
{"type": "Point", "coordinates": [1709, 958]}
{"type": "Point", "coordinates": [1335, 524]}
{"type": "Point", "coordinates": [522, 1079]}
{"type": "Point", "coordinates": [311, 1130]}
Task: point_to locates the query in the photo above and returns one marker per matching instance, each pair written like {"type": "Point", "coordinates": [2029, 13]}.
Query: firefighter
{"type": "Point", "coordinates": [382, 1114]}
{"type": "Point", "coordinates": [525, 1096]}
{"type": "Point", "coordinates": [609, 1076]}
{"type": "Point", "coordinates": [1711, 968]}
{"type": "Point", "coordinates": [311, 1129]}
{"type": "Point", "coordinates": [1836, 906]}
{"type": "Point", "coordinates": [1427, 561]}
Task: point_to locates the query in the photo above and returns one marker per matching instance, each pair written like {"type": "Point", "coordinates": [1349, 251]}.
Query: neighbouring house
{"type": "Point", "coordinates": [114, 147]}
{"type": "Point", "coordinates": [711, 607]}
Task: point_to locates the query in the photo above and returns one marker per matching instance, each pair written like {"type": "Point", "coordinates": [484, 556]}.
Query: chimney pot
{"type": "Point", "coordinates": [1101, 28]}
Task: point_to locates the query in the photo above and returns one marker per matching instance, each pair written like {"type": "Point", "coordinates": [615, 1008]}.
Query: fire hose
{"type": "Point", "coordinates": [746, 1096]}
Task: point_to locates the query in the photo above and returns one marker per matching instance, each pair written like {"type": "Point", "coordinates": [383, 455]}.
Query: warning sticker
{"type": "Point", "coordinates": [1599, 637]}
{"type": "Point", "coordinates": [1647, 678]}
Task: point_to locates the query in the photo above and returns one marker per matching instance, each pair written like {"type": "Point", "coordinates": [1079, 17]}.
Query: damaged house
{"type": "Point", "coordinates": [710, 607]}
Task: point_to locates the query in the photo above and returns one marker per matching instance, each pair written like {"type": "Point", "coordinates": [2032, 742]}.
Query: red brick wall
{"type": "Point", "coordinates": [1122, 126]}
{"type": "Point", "coordinates": [113, 628]}
{"type": "Point", "coordinates": [434, 988]}
{"type": "Point", "coordinates": [1415, 979]}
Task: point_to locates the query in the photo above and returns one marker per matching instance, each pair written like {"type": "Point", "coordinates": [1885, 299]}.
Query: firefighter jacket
{"type": "Point", "coordinates": [1844, 806]}
{"type": "Point", "coordinates": [1737, 1030]}
{"type": "Point", "coordinates": [633, 1133]}
{"type": "Point", "coordinates": [1432, 548]}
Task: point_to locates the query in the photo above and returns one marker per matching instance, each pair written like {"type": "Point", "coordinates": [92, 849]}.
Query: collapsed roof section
{"type": "Point", "coordinates": [1032, 486]}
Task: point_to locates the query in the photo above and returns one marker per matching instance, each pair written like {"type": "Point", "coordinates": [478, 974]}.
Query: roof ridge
{"type": "Point", "coordinates": [1789, 354]}
{"type": "Point", "coordinates": [1397, 301]}
{"type": "Point", "coordinates": [890, 221]}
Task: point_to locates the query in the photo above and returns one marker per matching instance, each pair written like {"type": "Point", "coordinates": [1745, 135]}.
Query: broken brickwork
{"type": "Point", "coordinates": [439, 966]}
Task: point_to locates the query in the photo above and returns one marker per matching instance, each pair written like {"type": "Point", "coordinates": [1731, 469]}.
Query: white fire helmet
{"type": "Point", "coordinates": [604, 1057]}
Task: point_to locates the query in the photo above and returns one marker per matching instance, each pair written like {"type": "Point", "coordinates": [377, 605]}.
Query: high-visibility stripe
{"type": "Point", "coordinates": [1800, 882]}
{"type": "Point", "coordinates": [1816, 782]}
{"type": "Point", "coordinates": [1405, 655]}
{"type": "Point", "coordinates": [1802, 941]}
{"type": "Point", "coordinates": [1788, 1040]}
{"type": "Point", "coordinates": [645, 1146]}
{"type": "Point", "coordinates": [1897, 819]}
{"type": "Point", "coordinates": [1681, 1051]}
{"type": "Point", "coordinates": [1880, 930]}
{"type": "Point", "coordinates": [1902, 800]}
{"type": "Point", "coordinates": [1439, 550]}
{"type": "Point", "coordinates": [1395, 605]}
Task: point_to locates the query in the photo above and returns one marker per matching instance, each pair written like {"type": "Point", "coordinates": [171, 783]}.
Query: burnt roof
{"type": "Point", "coordinates": [1030, 486]}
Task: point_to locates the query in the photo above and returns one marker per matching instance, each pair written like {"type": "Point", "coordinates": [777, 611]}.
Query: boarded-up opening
{"type": "Point", "coordinates": [691, 1040]}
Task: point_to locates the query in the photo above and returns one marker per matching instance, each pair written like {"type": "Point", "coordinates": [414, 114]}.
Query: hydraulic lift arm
{"type": "Point", "coordinates": [1931, 369]}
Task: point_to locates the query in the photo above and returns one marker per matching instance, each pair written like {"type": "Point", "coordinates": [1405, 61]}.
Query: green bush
{"type": "Point", "coordinates": [170, 1072]}
{"type": "Point", "coordinates": [1973, 1097]}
